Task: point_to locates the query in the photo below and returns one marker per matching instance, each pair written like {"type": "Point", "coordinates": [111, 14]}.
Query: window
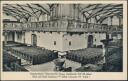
{"type": "Point", "coordinates": [54, 42]}
{"type": "Point", "coordinates": [69, 43]}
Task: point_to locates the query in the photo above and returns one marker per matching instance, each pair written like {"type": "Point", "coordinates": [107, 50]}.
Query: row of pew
{"type": "Point", "coordinates": [85, 56]}
{"type": "Point", "coordinates": [33, 54]}
{"type": "Point", "coordinates": [114, 60]}
{"type": "Point", "coordinates": [11, 63]}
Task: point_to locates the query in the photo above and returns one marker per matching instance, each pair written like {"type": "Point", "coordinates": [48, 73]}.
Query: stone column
{"type": "Point", "coordinates": [23, 36]}
{"type": "Point", "coordinates": [104, 53]}
{"type": "Point", "coordinates": [111, 19]}
{"type": "Point", "coordinates": [5, 37]}
{"type": "Point", "coordinates": [119, 21]}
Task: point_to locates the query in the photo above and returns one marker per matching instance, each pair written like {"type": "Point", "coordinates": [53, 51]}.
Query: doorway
{"type": "Point", "coordinates": [90, 41]}
{"type": "Point", "coordinates": [13, 36]}
{"type": "Point", "coordinates": [34, 40]}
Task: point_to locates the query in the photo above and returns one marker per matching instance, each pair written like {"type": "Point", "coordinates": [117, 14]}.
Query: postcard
{"type": "Point", "coordinates": [64, 40]}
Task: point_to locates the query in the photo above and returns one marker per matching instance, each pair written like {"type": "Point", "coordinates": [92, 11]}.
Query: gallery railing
{"type": "Point", "coordinates": [60, 25]}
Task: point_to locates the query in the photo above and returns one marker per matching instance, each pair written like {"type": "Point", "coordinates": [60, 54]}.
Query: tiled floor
{"type": "Point", "coordinates": [49, 66]}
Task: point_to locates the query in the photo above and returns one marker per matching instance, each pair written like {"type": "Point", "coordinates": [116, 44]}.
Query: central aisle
{"type": "Point", "coordinates": [49, 66]}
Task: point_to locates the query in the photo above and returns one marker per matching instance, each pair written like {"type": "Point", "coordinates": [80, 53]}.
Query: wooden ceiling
{"type": "Point", "coordinates": [97, 11]}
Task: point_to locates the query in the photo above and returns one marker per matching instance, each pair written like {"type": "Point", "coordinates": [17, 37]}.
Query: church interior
{"type": "Point", "coordinates": [62, 37]}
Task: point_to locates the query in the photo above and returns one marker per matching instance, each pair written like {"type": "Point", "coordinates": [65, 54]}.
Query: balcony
{"type": "Point", "coordinates": [60, 25]}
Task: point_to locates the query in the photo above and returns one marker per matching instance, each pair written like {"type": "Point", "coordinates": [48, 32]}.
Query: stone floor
{"type": "Point", "coordinates": [49, 66]}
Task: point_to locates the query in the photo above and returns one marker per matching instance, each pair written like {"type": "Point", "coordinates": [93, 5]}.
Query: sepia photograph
{"type": "Point", "coordinates": [63, 38]}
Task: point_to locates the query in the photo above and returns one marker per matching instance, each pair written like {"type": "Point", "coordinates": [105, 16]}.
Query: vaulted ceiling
{"type": "Point", "coordinates": [101, 11]}
{"type": "Point", "coordinates": [25, 10]}
{"type": "Point", "coordinates": [97, 11]}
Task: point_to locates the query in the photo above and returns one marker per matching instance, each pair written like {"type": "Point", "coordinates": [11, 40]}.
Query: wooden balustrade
{"type": "Point", "coordinates": [69, 25]}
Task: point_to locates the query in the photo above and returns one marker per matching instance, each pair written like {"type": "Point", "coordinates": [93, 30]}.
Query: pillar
{"type": "Point", "coordinates": [104, 53]}
{"type": "Point", "coordinates": [23, 36]}
{"type": "Point", "coordinates": [5, 38]}
{"type": "Point", "coordinates": [119, 21]}
{"type": "Point", "coordinates": [111, 19]}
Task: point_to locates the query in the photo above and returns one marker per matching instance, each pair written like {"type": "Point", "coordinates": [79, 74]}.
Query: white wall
{"type": "Point", "coordinates": [19, 37]}
{"type": "Point", "coordinates": [46, 39]}
{"type": "Point", "coordinates": [77, 42]}
{"type": "Point", "coordinates": [28, 37]}
{"type": "Point", "coordinates": [44, 17]}
{"type": "Point", "coordinates": [9, 17]}
{"type": "Point", "coordinates": [115, 20]}
{"type": "Point", "coordinates": [9, 36]}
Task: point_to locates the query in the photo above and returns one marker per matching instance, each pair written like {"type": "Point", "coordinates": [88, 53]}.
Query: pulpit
{"type": "Point", "coordinates": [105, 48]}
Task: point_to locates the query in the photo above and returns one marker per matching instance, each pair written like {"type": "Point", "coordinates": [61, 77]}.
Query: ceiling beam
{"type": "Point", "coordinates": [105, 11]}
{"type": "Point", "coordinates": [14, 12]}
{"type": "Point", "coordinates": [25, 10]}
{"type": "Point", "coordinates": [32, 10]}
{"type": "Point", "coordinates": [18, 10]}
{"type": "Point", "coordinates": [17, 17]}
{"type": "Point", "coordinates": [46, 11]}
{"type": "Point", "coordinates": [100, 9]}
{"type": "Point", "coordinates": [108, 15]}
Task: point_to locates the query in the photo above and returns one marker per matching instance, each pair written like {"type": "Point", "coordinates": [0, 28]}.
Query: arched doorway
{"type": "Point", "coordinates": [34, 40]}
{"type": "Point", "coordinates": [13, 36]}
{"type": "Point", "coordinates": [90, 41]}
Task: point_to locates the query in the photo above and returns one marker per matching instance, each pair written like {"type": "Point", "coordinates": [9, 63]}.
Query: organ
{"type": "Point", "coordinates": [66, 11]}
